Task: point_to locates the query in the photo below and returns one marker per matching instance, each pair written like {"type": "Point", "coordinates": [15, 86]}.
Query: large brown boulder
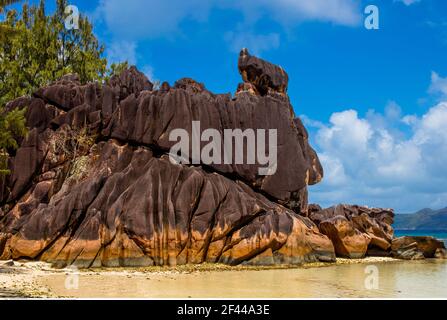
{"type": "Point", "coordinates": [147, 119]}
{"type": "Point", "coordinates": [130, 208]}
{"type": "Point", "coordinates": [352, 228]}
{"type": "Point", "coordinates": [348, 241]}
{"type": "Point", "coordinates": [130, 81]}
{"type": "Point", "coordinates": [440, 253]}
{"type": "Point", "coordinates": [92, 184]}
{"type": "Point", "coordinates": [428, 247]}
{"type": "Point", "coordinates": [408, 252]}
{"type": "Point", "coordinates": [264, 76]}
{"type": "Point", "coordinates": [64, 102]}
{"type": "Point", "coordinates": [64, 94]}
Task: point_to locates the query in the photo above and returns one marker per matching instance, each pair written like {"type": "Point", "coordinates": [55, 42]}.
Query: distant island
{"type": "Point", "coordinates": [425, 219]}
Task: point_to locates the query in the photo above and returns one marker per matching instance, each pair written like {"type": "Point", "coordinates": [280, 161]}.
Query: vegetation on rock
{"type": "Point", "coordinates": [36, 49]}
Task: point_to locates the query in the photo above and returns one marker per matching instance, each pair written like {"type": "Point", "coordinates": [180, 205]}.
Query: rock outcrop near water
{"type": "Point", "coordinates": [354, 230]}
{"type": "Point", "coordinates": [417, 248]}
{"type": "Point", "coordinates": [92, 184]}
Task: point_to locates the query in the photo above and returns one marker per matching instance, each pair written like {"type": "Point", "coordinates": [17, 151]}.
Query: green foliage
{"type": "Point", "coordinates": [12, 125]}
{"type": "Point", "coordinates": [117, 68]}
{"type": "Point", "coordinates": [4, 3]}
{"type": "Point", "coordinates": [6, 31]}
{"type": "Point", "coordinates": [35, 50]}
{"type": "Point", "coordinates": [44, 50]}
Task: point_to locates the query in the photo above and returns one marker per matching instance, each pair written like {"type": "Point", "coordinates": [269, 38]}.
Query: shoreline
{"type": "Point", "coordinates": [29, 280]}
{"type": "Point", "coordinates": [218, 267]}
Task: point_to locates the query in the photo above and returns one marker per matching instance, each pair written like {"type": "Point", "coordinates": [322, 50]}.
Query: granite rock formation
{"type": "Point", "coordinates": [92, 184]}
{"type": "Point", "coordinates": [133, 208]}
{"type": "Point", "coordinates": [148, 118]}
{"type": "Point", "coordinates": [440, 253]}
{"type": "Point", "coordinates": [356, 231]}
{"type": "Point", "coordinates": [418, 247]}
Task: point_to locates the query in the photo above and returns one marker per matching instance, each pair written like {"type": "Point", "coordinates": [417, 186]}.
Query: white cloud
{"type": "Point", "coordinates": [367, 163]}
{"type": "Point", "coordinates": [350, 132]}
{"type": "Point", "coordinates": [343, 12]}
{"type": "Point", "coordinates": [149, 72]}
{"type": "Point", "coordinates": [438, 85]}
{"type": "Point", "coordinates": [407, 2]}
{"type": "Point", "coordinates": [310, 122]}
{"type": "Point", "coordinates": [140, 19]}
{"type": "Point", "coordinates": [143, 19]}
{"type": "Point", "coordinates": [119, 51]}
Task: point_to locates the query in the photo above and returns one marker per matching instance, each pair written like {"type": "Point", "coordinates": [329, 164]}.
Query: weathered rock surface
{"type": "Point", "coordinates": [149, 118]}
{"type": "Point", "coordinates": [441, 253]}
{"type": "Point", "coordinates": [92, 184]}
{"type": "Point", "coordinates": [355, 231]}
{"type": "Point", "coordinates": [417, 248]}
{"type": "Point", "coordinates": [408, 252]}
{"type": "Point", "coordinates": [264, 76]}
{"type": "Point", "coordinates": [348, 241]}
{"type": "Point", "coordinates": [132, 208]}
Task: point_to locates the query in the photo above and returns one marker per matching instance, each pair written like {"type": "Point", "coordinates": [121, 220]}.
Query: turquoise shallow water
{"type": "Point", "coordinates": [441, 235]}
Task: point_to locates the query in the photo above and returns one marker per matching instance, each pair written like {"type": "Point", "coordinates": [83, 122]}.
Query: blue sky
{"type": "Point", "coordinates": [373, 100]}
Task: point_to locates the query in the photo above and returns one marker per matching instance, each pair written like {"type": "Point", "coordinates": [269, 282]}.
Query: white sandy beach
{"type": "Point", "coordinates": [345, 279]}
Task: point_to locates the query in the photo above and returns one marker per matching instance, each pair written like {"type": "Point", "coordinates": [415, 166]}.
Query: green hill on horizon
{"type": "Point", "coordinates": [425, 219]}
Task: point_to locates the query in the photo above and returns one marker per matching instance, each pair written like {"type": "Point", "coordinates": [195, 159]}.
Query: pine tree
{"type": "Point", "coordinates": [36, 50]}
{"type": "Point", "coordinates": [6, 31]}
{"type": "Point", "coordinates": [44, 50]}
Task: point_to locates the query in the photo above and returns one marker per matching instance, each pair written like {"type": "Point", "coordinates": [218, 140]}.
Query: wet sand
{"type": "Point", "coordinates": [19, 280]}
{"type": "Point", "coordinates": [345, 279]}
